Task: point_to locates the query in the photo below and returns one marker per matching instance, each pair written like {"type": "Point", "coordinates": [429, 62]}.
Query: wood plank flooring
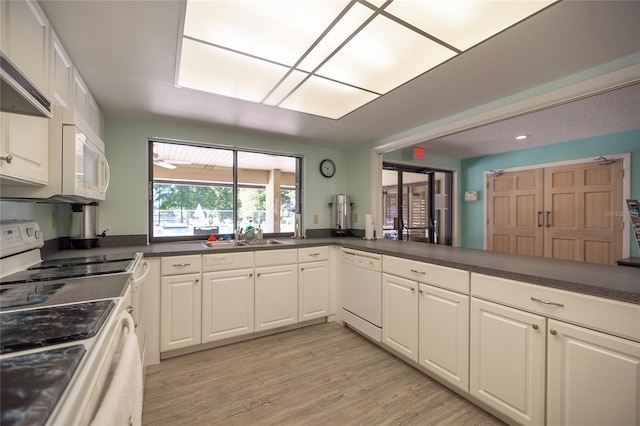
{"type": "Point", "coordinates": [319, 375]}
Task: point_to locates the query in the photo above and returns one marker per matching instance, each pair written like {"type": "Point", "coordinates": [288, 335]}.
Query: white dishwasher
{"type": "Point", "coordinates": [362, 292]}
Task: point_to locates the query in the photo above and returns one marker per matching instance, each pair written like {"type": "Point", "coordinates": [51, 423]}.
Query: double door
{"type": "Point", "coordinates": [563, 212]}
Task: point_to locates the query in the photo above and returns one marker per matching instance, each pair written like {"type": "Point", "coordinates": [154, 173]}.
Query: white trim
{"type": "Point", "coordinates": [626, 191]}
{"type": "Point", "coordinates": [600, 84]}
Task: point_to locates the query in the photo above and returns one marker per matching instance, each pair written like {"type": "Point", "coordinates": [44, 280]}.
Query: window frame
{"type": "Point", "coordinates": [234, 185]}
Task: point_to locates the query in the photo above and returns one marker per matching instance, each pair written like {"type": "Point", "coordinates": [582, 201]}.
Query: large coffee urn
{"type": "Point", "coordinates": [341, 214]}
{"type": "Point", "coordinates": [84, 226]}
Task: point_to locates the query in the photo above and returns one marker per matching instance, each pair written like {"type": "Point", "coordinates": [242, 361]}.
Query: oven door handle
{"type": "Point", "coordinates": [139, 278]}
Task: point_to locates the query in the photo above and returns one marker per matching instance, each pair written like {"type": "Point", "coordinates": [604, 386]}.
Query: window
{"type": "Point", "coordinates": [196, 191]}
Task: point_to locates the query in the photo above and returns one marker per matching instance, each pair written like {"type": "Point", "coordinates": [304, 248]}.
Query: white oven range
{"type": "Point", "coordinates": [63, 362]}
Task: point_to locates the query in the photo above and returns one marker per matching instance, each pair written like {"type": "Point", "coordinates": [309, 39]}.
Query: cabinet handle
{"type": "Point", "coordinates": [301, 269]}
{"type": "Point", "coordinates": [129, 309]}
{"type": "Point", "coordinates": [421, 291]}
{"type": "Point", "coordinates": [535, 326]}
{"type": "Point", "coordinates": [250, 275]}
{"type": "Point", "coordinates": [314, 254]}
{"type": "Point", "coordinates": [548, 219]}
{"type": "Point", "coordinates": [547, 302]}
{"type": "Point", "coordinates": [415, 271]}
{"type": "Point", "coordinates": [258, 275]}
{"type": "Point", "coordinates": [135, 324]}
{"type": "Point", "coordinates": [539, 218]}
{"type": "Point", "coordinates": [552, 331]}
{"type": "Point", "coordinates": [197, 280]}
{"type": "Point", "coordinates": [176, 265]}
{"type": "Point", "coordinates": [8, 158]}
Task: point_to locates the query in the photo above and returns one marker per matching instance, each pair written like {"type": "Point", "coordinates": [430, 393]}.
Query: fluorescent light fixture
{"type": "Point", "coordinates": [329, 57]}
{"type": "Point", "coordinates": [521, 137]}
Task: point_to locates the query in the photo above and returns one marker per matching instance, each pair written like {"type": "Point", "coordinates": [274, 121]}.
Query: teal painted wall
{"type": "Point", "coordinates": [472, 174]}
{"type": "Point", "coordinates": [125, 211]}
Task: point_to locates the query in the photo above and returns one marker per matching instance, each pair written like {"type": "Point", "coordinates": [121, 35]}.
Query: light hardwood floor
{"type": "Point", "coordinates": [319, 375]}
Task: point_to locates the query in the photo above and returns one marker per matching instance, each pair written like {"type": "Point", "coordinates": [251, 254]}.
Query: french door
{"type": "Point", "coordinates": [416, 204]}
{"type": "Point", "coordinates": [558, 212]}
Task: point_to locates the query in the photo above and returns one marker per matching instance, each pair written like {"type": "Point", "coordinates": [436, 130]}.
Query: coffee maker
{"type": "Point", "coordinates": [84, 226]}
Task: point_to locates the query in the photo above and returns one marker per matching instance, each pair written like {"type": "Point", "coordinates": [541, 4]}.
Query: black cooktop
{"type": "Point", "coordinates": [33, 328]}
{"type": "Point", "coordinates": [25, 295]}
{"type": "Point", "coordinates": [105, 258]}
{"type": "Point", "coordinates": [64, 272]}
{"type": "Point", "coordinates": [32, 384]}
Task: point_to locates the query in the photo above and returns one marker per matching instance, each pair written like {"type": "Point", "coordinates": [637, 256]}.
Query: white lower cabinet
{"type": "Point", "coordinates": [507, 370]}
{"type": "Point", "coordinates": [227, 304]}
{"type": "Point", "coordinates": [180, 308]}
{"type": "Point", "coordinates": [400, 315]}
{"type": "Point", "coordinates": [276, 296]}
{"type": "Point", "coordinates": [444, 334]}
{"type": "Point", "coordinates": [592, 378]}
{"type": "Point", "coordinates": [313, 290]}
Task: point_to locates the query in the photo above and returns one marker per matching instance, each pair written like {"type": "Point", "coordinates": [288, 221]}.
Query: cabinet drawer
{"type": "Point", "coordinates": [175, 265]}
{"type": "Point", "coordinates": [276, 257]}
{"type": "Point", "coordinates": [312, 254]}
{"type": "Point", "coordinates": [439, 276]}
{"type": "Point", "coordinates": [226, 261]}
{"type": "Point", "coordinates": [610, 316]}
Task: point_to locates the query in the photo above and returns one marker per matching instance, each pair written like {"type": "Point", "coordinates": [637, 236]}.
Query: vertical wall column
{"type": "Point", "coordinates": [273, 201]}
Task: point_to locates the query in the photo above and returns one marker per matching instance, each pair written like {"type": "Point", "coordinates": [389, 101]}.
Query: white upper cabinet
{"type": "Point", "coordinates": [61, 74]}
{"type": "Point", "coordinates": [25, 40]}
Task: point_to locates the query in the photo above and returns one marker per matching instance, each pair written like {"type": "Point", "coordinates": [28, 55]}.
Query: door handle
{"type": "Point", "coordinates": [548, 218]}
{"type": "Point", "coordinates": [539, 218]}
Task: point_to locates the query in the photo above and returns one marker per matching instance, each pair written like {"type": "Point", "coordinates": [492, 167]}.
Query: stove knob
{"type": "Point", "coordinates": [29, 232]}
{"type": "Point", "coordinates": [38, 235]}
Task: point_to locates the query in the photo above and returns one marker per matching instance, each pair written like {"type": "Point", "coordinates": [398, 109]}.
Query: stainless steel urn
{"type": "Point", "coordinates": [341, 214]}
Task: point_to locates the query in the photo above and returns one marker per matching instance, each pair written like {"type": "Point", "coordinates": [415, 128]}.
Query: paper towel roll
{"type": "Point", "coordinates": [297, 231]}
{"type": "Point", "coordinates": [368, 227]}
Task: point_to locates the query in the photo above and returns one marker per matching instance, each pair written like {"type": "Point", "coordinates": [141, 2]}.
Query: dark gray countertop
{"type": "Point", "coordinates": [614, 282]}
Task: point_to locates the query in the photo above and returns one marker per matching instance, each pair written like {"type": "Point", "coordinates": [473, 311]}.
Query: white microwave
{"type": "Point", "coordinates": [78, 168]}
{"type": "Point", "coordinates": [85, 171]}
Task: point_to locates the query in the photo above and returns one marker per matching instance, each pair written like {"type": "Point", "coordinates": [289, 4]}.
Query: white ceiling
{"type": "Point", "coordinates": [126, 53]}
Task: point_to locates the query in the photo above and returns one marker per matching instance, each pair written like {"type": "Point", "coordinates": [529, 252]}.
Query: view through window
{"type": "Point", "coordinates": [197, 191]}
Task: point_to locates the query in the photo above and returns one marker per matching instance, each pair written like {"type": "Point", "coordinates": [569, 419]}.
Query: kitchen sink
{"type": "Point", "coordinates": [224, 244]}
{"type": "Point", "coordinates": [262, 242]}
{"type": "Point", "coordinates": [235, 243]}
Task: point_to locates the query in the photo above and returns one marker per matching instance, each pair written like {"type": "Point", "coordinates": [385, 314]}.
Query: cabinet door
{"type": "Point", "coordinates": [25, 40]}
{"type": "Point", "coordinates": [276, 296]}
{"type": "Point", "coordinates": [508, 360]}
{"type": "Point", "coordinates": [227, 304]}
{"type": "Point", "coordinates": [400, 315]}
{"type": "Point", "coordinates": [592, 378]}
{"type": "Point", "coordinates": [180, 305]}
{"type": "Point", "coordinates": [61, 74]}
{"type": "Point", "coordinates": [444, 334]}
{"type": "Point", "coordinates": [25, 140]}
{"type": "Point", "coordinates": [313, 290]}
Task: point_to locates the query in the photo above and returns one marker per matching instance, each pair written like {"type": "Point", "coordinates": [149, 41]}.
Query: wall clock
{"type": "Point", "coordinates": [327, 168]}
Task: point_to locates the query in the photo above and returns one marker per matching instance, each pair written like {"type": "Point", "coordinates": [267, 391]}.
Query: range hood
{"type": "Point", "coordinates": [18, 94]}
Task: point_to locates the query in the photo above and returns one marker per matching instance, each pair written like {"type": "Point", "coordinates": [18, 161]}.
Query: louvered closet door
{"type": "Point", "coordinates": [580, 205]}
{"type": "Point", "coordinates": [515, 206]}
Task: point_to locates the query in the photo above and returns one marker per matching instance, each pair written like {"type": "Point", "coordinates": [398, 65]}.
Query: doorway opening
{"type": "Point", "coordinates": [417, 204]}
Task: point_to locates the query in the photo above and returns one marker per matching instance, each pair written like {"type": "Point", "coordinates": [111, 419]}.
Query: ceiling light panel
{"type": "Point", "coordinates": [343, 29]}
{"type": "Point", "coordinates": [220, 71]}
{"type": "Point", "coordinates": [285, 87]}
{"type": "Point", "coordinates": [464, 23]}
{"type": "Point", "coordinates": [278, 30]}
{"type": "Point", "coordinates": [383, 56]}
{"type": "Point", "coordinates": [327, 98]}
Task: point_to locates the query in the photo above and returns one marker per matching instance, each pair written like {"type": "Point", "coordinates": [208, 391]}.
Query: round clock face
{"type": "Point", "coordinates": [327, 168]}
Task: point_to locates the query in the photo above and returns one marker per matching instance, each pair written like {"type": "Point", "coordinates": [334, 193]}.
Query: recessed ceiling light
{"type": "Point", "coordinates": [522, 137]}
{"type": "Point", "coordinates": [334, 56]}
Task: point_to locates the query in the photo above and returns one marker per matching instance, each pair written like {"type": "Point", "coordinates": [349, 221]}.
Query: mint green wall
{"type": "Point", "coordinates": [472, 176]}
{"type": "Point", "coordinates": [54, 219]}
{"type": "Point", "coordinates": [125, 211]}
